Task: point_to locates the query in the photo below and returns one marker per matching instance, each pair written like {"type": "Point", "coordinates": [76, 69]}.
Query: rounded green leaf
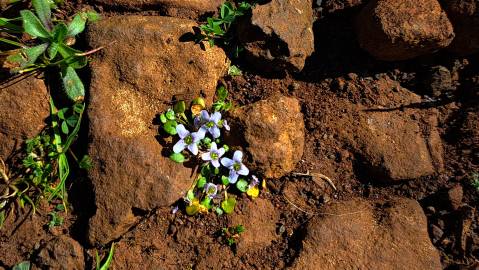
{"type": "Point", "coordinates": [170, 127]}
{"type": "Point", "coordinates": [228, 205]}
{"type": "Point", "coordinates": [225, 180]}
{"type": "Point", "coordinates": [65, 128]}
{"type": "Point", "coordinates": [163, 118]}
{"type": "Point", "coordinates": [177, 157]}
{"type": "Point", "coordinates": [72, 84]}
{"type": "Point", "coordinates": [242, 185]}
{"type": "Point", "coordinates": [179, 107]}
{"type": "Point", "coordinates": [201, 182]}
{"type": "Point", "coordinates": [33, 26]}
{"type": "Point", "coordinates": [221, 93]}
{"type": "Point", "coordinates": [170, 115]}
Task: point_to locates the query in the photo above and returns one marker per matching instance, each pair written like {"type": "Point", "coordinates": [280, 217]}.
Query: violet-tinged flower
{"type": "Point", "coordinates": [211, 190]}
{"type": "Point", "coordinates": [210, 123]}
{"type": "Point", "coordinates": [213, 155]}
{"type": "Point", "coordinates": [236, 166]}
{"type": "Point", "coordinates": [187, 140]}
{"type": "Point", "coordinates": [225, 125]}
{"type": "Point", "coordinates": [253, 182]}
{"type": "Point", "coordinates": [174, 210]}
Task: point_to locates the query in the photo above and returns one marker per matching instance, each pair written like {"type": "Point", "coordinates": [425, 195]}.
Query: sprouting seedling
{"type": "Point", "coordinates": [221, 172]}
{"type": "Point", "coordinates": [232, 234]}
{"type": "Point", "coordinates": [53, 40]}
{"type": "Point", "coordinates": [107, 260]}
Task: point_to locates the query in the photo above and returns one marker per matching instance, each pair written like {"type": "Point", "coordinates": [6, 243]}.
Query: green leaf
{"type": "Point", "coordinates": [71, 57]}
{"type": "Point", "coordinates": [242, 185]}
{"type": "Point", "coordinates": [65, 128]}
{"type": "Point", "coordinates": [170, 115]}
{"type": "Point", "coordinates": [228, 205]}
{"type": "Point", "coordinates": [92, 16]}
{"type": "Point", "coordinates": [221, 93]}
{"type": "Point", "coordinates": [177, 157]}
{"type": "Point", "coordinates": [59, 32]}
{"type": "Point", "coordinates": [22, 266]}
{"type": "Point", "coordinates": [53, 50]}
{"type": "Point", "coordinates": [219, 211]}
{"type": "Point", "coordinates": [72, 85]}
{"type": "Point", "coordinates": [206, 202]}
{"type": "Point", "coordinates": [61, 113]}
{"type": "Point", "coordinates": [234, 71]}
{"type": "Point", "coordinates": [163, 118]}
{"type": "Point", "coordinates": [77, 25]}
{"type": "Point", "coordinates": [193, 209]}
{"type": "Point", "coordinates": [109, 259]}
{"type": "Point", "coordinates": [170, 127]}
{"type": "Point", "coordinates": [179, 107]}
{"type": "Point", "coordinates": [33, 26]}
{"type": "Point", "coordinates": [85, 163]}
{"type": "Point", "coordinates": [201, 182]}
{"type": "Point", "coordinates": [42, 8]}
{"type": "Point", "coordinates": [190, 195]}
{"type": "Point", "coordinates": [225, 180]}
{"type": "Point", "coordinates": [2, 218]}
{"type": "Point", "coordinates": [32, 54]}
{"type": "Point", "coordinates": [72, 120]}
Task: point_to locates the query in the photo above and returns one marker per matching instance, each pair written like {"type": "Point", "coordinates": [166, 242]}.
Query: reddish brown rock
{"type": "Point", "coordinates": [361, 235]}
{"type": "Point", "coordinates": [454, 196]}
{"type": "Point", "coordinates": [273, 132]}
{"type": "Point", "coordinates": [464, 15]}
{"type": "Point", "coordinates": [174, 8]}
{"type": "Point", "coordinates": [259, 217]}
{"type": "Point", "coordinates": [394, 30]}
{"type": "Point", "coordinates": [61, 253]}
{"type": "Point", "coordinates": [24, 107]}
{"type": "Point", "coordinates": [133, 80]}
{"type": "Point", "coordinates": [279, 35]}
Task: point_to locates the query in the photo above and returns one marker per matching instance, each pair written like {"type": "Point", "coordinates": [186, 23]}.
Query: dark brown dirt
{"type": "Point", "coordinates": [167, 241]}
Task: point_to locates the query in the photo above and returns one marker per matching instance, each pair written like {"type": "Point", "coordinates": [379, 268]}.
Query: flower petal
{"type": "Point", "coordinates": [215, 132]}
{"type": "Point", "coordinates": [205, 116]}
{"type": "Point", "coordinates": [216, 117]}
{"type": "Point", "coordinates": [243, 170]}
{"type": "Point", "coordinates": [193, 148]}
{"type": "Point", "coordinates": [238, 156]}
{"type": "Point", "coordinates": [197, 136]}
{"type": "Point", "coordinates": [221, 152]}
{"type": "Point", "coordinates": [228, 163]}
{"type": "Point", "coordinates": [202, 132]}
{"type": "Point", "coordinates": [206, 156]}
{"type": "Point", "coordinates": [225, 125]}
{"type": "Point", "coordinates": [233, 177]}
{"type": "Point", "coordinates": [215, 163]}
{"type": "Point", "coordinates": [179, 146]}
{"type": "Point", "coordinates": [197, 122]}
{"type": "Point", "coordinates": [213, 147]}
{"type": "Point", "coordinates": [182, 132]}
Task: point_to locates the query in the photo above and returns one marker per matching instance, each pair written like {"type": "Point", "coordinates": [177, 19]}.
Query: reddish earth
{"type": "Point", "coordinates": [399, 141]}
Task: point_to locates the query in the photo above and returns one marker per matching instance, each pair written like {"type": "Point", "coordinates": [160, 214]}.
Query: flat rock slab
{"type": "Point", "coordinates": [174, 8]}
{"type": "Point", "coordinates": [142, 68]}
{"type": "Point", "coordinates": [394, 30]}
{"type": "Point", "coordinates": [24, 107]}
{"type": "Point", "coordinates": [364, 235]}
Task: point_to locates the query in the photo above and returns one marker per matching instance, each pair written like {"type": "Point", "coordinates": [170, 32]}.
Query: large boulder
{"type": "Point", "coordinates": [273, 132]}
{"type": "Point", "coordinates": [391, 142]}
{"type": "Point", "coordinates": [24, 106]}
{"type": "Point", "coordinates": [464, 15]}
{"type": "Point", "coordinates": [361, 235]}
{"type": "Point", "coordinates": [174, 8]}
{"type": "Point", "coordinates": [143, 67]}
{"type": "Point", "coordinates": [394, 30]}
{"type": "Point", "coordinates": [279, 35]}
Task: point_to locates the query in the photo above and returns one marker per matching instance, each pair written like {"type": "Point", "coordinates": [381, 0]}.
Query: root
{"type": "Point", "coordinates": [318, 175]}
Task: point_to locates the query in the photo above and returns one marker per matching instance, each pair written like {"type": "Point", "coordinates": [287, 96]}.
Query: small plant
{"type": "Point", "coordinates": [220, 170]}
{"type": "Point", "coordinates": [107, 261]}
{"type": "Point", "coordinates": [474, 177]}
{"type": "Point", "coordinates": [44, 167]}
{"type": "Point", "coordinates": [22, 266]}
{"type": "Point", "coordinates": [49, 44]}
{"type": "Point", "coordinates": [55, 218]}
{"type": "Point", "coordinates": [218, 30]}
{"type": "Point", "coordinates": [232, 234]}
